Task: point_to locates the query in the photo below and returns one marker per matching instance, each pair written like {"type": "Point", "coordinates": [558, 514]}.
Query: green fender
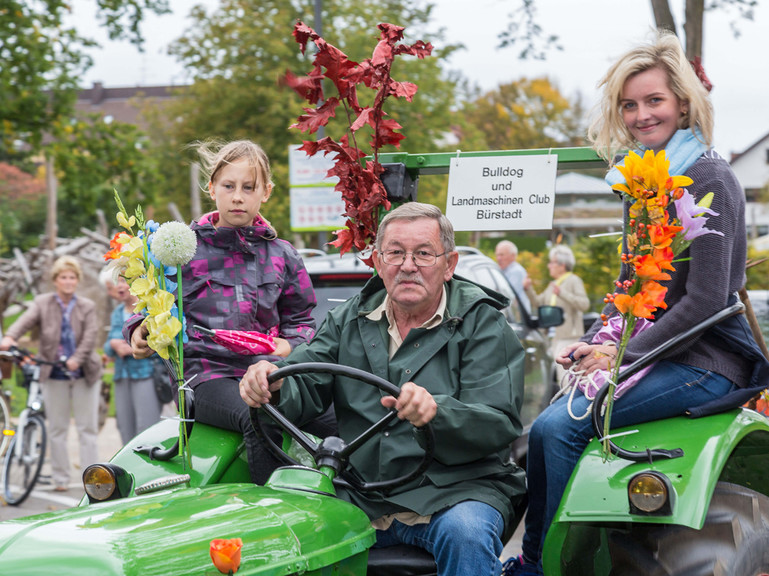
{"type": "Point", "coordinates": [218, 456]}
{"type": "Point", "coordinates": [732, 446]}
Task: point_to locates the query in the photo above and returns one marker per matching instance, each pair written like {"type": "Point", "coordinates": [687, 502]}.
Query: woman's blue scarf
{"type": "Point", "coordinates": [682, 150]}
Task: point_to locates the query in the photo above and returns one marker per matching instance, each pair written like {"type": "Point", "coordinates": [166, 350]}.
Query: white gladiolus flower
{"type": "Point", "coordinates": [174, 244]}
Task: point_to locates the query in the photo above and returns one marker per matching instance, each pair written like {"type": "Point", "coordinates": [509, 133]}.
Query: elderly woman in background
{"type": "Point", "coordinates": [137, 406]}
{"type": "Point", "coordinates": [567, 291]}
{"type": "Point", "coordinates": [68, 329]}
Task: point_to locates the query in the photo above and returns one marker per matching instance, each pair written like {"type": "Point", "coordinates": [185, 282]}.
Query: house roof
{"type": "Point", "coordinates": [755, 144]}
{"type": "Point", "coordinates": [124, 104]}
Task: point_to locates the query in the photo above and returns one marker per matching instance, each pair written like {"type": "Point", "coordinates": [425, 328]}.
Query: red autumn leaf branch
{"type": "Point", "coordinates": [359, 183]}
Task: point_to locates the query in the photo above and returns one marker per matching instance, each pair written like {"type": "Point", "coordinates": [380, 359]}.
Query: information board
{"type": "Point", "coordinates": [315, 205]}
{"type": "Point", "coordinates": [502, 192]}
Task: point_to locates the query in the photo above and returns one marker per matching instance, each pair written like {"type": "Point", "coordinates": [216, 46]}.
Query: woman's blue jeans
{"type": "Point", "coordinates": [556, 440]}
{"type": "Point", "coordinates": [464, 539]}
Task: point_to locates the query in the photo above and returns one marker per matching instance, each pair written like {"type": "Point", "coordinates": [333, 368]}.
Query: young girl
{"type": "Point", "coordinates": [243, 277]}
{"type": "Point", "coordinates": [653, 100]}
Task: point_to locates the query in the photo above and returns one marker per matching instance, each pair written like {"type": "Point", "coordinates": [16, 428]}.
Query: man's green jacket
{"type": "Point", "coordinates": [472, 364]}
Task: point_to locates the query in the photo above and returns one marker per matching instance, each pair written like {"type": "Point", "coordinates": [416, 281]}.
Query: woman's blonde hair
{"type": "Point", "coordinates": [608, 133]}
{"type": "Point", "coordinates": [66, 263]}
{"type": "Point", "coordinates": [214, 155]}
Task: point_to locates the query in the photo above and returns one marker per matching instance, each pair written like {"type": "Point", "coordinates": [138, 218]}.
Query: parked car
{"type": "Point", "coordinates": [337, 278]}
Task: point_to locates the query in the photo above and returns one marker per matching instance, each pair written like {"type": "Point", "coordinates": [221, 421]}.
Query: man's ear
{"type": "Point", "coordinates": [451, 259]}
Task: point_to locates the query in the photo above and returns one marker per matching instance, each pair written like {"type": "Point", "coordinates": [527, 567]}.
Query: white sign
{"type": "Point", "coordinates": [315, 205]}
{"type": "Point", "coordinates": [316, 208]}
{"type": "Point", "coordinates": [502, 192]}
{"type": "Point", "coordinates": [304, 170]}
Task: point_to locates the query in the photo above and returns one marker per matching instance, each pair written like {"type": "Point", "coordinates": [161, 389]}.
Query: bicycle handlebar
{"type": "Point", "coordinates": [20, 355]}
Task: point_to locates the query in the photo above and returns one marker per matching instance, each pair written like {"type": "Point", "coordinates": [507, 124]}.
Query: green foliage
{"type": "Point", "coordinates": [123, 18]}
{"type": "Point", "coordinates": [22, 209]}
{"type": "Point", "coordinates": [41, 64]}
{"type": "Point", "coordinates": [526, 113]}
{"type": "Point", "coordinates": [43, 60]}
{"type": "Point", "coordinates": [92, 159]}
{"type": "Point", "coordinates": [598, 265]}
{"type": "Point", "coordinates": [758, 275]}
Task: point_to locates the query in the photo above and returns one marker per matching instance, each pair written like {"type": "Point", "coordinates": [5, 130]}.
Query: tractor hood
{"type": "Point", "coordinates": [169, 532]}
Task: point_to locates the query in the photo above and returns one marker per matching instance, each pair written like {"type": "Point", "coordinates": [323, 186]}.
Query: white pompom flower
{"type": "Point", "coordinates": [174, 244]}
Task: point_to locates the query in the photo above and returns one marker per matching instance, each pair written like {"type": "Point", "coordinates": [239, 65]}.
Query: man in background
{"type": "Point", "coordinates": [506, 254]}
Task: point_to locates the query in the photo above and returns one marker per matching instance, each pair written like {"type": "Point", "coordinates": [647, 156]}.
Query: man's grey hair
{"type": "Point", "coordinates": [411, 211]}
{"type": "Point", "coordinates": [508, 246]}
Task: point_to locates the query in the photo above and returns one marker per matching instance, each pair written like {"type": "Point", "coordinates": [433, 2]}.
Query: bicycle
{"type": "Point", "coordinates": [5, 414]}
{"type": "Point", "coordinates": [24, 457]}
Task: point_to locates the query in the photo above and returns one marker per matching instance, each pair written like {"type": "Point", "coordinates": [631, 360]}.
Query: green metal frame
{"type": "Point", "coordinates": [439, 162]}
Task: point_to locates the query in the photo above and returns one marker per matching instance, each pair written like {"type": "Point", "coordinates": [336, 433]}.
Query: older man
{"type": "Point", "coordinates": [506, 254]}
{"type": "Point", "coordinates": [458, 364]}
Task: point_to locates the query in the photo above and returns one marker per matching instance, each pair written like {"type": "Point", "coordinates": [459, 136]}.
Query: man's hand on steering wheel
{"type": "Point", "coordinates": [414, 404]}
{"type": "Point", "coordinates": [255, 389]}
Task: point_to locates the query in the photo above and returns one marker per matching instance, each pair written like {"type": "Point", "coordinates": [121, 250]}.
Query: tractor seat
{"type": "Point", "coordinates": [400, 560]}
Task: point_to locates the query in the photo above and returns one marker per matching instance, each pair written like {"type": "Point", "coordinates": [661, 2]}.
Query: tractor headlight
{"type": "Point", "coordinates": [650, 493]}
{"type": "Point", "coordinates": [106, 482]}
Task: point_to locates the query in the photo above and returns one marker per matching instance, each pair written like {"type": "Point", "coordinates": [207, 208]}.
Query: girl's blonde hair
{"type": "Point", "coordinates": [214, 155]}
{"type": "Point", "coordinates": [608, 133]}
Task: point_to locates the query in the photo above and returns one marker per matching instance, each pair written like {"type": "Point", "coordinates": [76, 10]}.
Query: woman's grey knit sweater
{"type": "Point", "coordinates": [701, 285]}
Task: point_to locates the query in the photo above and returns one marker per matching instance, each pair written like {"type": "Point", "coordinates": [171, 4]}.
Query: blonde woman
{"type": "Point", "coordinates": [654, 100]}
{"type": "Point", "coordinates": [68, 328]}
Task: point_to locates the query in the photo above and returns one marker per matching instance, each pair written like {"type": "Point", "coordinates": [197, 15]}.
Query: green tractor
{"type": "Point", "coordinates": [677, 497]}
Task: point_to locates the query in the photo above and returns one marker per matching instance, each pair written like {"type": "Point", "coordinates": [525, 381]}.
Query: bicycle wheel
{"type": "Point", "coordinates": [20, 471]}
{"type": "Point", "coordinates": [6, 429]}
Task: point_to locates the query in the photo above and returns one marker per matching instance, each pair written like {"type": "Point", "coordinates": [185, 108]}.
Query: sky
{"type": "Point", "coordinates": [592, 33]}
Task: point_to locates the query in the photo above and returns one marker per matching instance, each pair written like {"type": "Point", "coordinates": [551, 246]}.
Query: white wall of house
{"type": "Point", "coordinates": [752, 166]}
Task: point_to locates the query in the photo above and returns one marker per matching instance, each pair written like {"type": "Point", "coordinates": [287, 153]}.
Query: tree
{"type": "Point", "coordinates": [527, 113]}
{"type": "Point", "coordinates": [92, 158]}
{"type": "Point", "coordinates": [523, 29]}
{"type": "Point", "coordinates": [43, 60]}
{"type": "Point", "coordinates": [21, 203]}
{"type": "Point", "coordinates": [236, 66]}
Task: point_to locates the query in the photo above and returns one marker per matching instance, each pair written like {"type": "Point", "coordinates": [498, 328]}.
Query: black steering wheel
{"type": "Point", "coordinates": [333, 451]}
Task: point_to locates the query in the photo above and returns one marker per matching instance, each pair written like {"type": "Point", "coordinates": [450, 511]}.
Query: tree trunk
{"type": "Point", "coordinates": [663, 17]}
{"type": "Point", "coordinates": [51, 228]}
{"type": "Point", "coordinates": [695, 16]}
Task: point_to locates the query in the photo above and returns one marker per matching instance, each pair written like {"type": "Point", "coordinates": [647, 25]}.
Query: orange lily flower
{"type": "Point", "coordinates": [115, 248]}
{"type": "Point", "coordinates": [652, 266]}
{"type": "Point", "coordinates": [662, 236]}
{"type": "Point", "coordinates": [655, 293]}
{"type": "Point", "coordinates": [225, 554]}
{"type": "Point", "coordinates": [640, 305]}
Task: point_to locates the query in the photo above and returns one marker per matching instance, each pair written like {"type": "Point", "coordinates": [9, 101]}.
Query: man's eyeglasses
{"type": "Point", "coordinates": [422, 258]}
